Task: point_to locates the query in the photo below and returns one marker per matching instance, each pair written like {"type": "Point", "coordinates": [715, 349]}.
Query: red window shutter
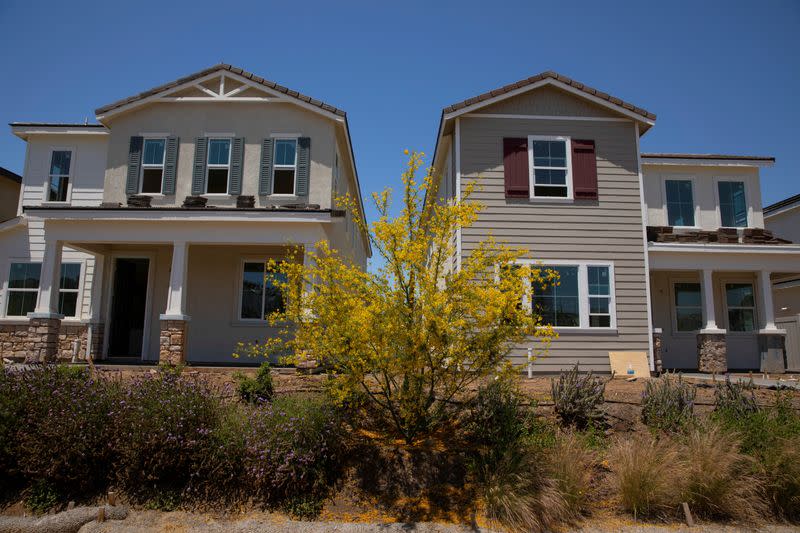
{"type": "Point", "coordinates": [515, 167]}
{"type": "Point", "coordinates": [584, 170]}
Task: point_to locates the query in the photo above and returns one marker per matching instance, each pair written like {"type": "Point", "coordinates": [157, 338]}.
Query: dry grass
{"type": "Point", "coordinates": [571, 465]}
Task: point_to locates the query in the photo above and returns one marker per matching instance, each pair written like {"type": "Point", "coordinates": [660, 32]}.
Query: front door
{"type": "Point", "coordinates": [128, 307]}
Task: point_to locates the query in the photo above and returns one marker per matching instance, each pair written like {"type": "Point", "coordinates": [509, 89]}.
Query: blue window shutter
{"type": "Point", "coordinates": [134, 165]}
{"type": "Point", "coordinates": [199, 171]}
{"type": "Point", "coordinates": [237, 160]}
{"type": "Point", "coordinates": [171, 165]}
{"type": "Point", "coordinates": [303, 165]}
{"type": "Point", "coordinates": [265, 171]}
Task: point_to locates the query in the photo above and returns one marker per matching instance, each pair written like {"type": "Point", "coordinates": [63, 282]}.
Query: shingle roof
{"type": "Point", "coordinates": [13, 176]}
{"type": "Point", "coordinates": [222, 66]}
{"type": "Point", "coordinates": [554, 76]}
{"type": "Point", "coordinates": [783, 203]}
{"type": "Point", "coordinates": [708, 156]}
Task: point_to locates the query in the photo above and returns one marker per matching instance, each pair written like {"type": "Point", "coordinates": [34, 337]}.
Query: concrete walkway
{"type": "Point", "coordinates": [774, 381]}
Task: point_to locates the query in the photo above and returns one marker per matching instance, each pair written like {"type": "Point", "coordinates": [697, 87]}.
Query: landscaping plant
{"type": "Point", "coordinates": [668, 403]}
{"type": "Point", "coordinates": [571, 465]}
{"type": "Point", "coordinates": [577, 398]}
{"type": "Point", "coordinates": [257, 389]}
{"type": "Point", "coordinates": [735, 399]}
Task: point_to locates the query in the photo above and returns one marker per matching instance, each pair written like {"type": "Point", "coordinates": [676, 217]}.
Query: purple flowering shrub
{"type": "Point", "coordinates": [668, 403]}
{"type": "Point", "coordinates": [577, 398]}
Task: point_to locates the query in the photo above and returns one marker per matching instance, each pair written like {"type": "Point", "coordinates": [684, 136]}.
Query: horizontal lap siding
{"type": "Point", "coordinates": [609, 229]}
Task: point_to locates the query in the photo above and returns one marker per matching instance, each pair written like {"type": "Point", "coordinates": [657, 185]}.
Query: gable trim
{"type": "Point", "coordinates": [546, 117]}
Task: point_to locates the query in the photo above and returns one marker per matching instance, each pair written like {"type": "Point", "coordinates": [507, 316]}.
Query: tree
{"type": "Point", "coordinates": [416, 332]}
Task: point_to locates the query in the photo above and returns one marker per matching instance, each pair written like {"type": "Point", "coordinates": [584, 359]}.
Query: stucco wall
{"type": "Point", "coordinates": [785, 224]}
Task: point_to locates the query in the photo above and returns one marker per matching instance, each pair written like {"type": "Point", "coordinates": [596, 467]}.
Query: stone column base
{"type": "Point", "coordinates": [772, 347]}
{"type": "Point", "coordinates": [657, 334]}
{"type": "Point", "coordinates": [96, 346]}
{"type": "Point", "coordinates": [43, 339]}
{"type": "Point", "coordinates": [172, 345]}
{"type": "Point", "coordinates": [712, 353]}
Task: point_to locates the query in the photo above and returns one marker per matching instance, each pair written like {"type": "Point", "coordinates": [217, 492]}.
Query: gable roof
{"type": "Point", "coordinates": [13, 176]}
{"type": "Point", "coordinates": [787, 203]}
{"type": "Point", "coordinates": [216, 68]}
{"type": "Point", "coordinates": [723, 157]}
{"type": "Point", "coordinates": [707, 159]}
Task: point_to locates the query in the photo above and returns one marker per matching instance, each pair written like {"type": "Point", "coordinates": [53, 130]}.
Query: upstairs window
{"type": "Point", "coordinates": [688, 307]}
{"type": "Point", "coordinates": [153, 166]}
{"type": "Point", "coordinates": [732, 204]}
{"type": "Point", "coordinates": [68, 289]}
{"type": "Point", "coordinates": [219, 166]}
{"type": "Point", "coordinates": [680, 203]}
{"type": "Point", "coordinates": [23, 288]}
{"type": "Point", "coordinates": [741, 306]}
{"type": "Point", "coordinates": [550, 167]}
{"type": "Point", "coordinates": [285, 166]}
{"type": "Point", "coordinates": [58, 179]}
{"type": "Point", "coordinates": [261, 292]}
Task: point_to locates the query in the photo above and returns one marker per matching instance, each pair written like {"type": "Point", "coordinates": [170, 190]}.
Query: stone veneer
{"type": "Point", "coordinates": [43, 339]}
{"type": "Point", "coordinates": [26, 340]}
{"type": "Point", "coordinates": [712, 353]}
{"type": "Point", "coordinates": [172, 344]}
{"type": "Point", "coordinates": [657, 351]}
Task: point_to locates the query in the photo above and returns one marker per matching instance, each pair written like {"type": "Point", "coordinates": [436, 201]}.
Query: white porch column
{"type": "Point", "coordinates": [176, 298]}
{"type": "Point", "coordinates": [768, 310]}
{"type": "Point", "coordinates": [709, 313]}
{"type": "Point", "coordinates": [47, 302]}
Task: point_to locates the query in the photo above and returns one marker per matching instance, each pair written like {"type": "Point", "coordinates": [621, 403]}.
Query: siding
{"type": "Point", "coordinates": [608, 229]}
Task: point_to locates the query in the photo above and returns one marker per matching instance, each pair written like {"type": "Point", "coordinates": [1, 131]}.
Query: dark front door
{"type": "Point", "coordinates": [128, 307]}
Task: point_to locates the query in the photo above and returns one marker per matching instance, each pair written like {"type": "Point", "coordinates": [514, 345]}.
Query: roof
{"type": "Point", "coordinates": [708, 156]}
{"type": "Point", "coordinates": [788, 202]}
{"type": "Point", "coordinates": [13, 176]}
{"type": "Point", "coordinates": [57, 124]}
{"type": "Point", "coordinates": [552, 76]}
{"type": "Point", "coordinates": [230, 68]}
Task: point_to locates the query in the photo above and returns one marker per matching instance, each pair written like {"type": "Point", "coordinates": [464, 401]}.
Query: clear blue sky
{"type": "Point", "coordinates": [721, 76]}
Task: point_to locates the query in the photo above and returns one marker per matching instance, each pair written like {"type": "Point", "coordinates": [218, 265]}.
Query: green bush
{"type": "Point", "coordinates": [258, 389]}
{"type": "Point", "coordinates": [668, 403]}
{"type": "Point", "coordinates": [577, 398]}
{"type": "Point", "coordinates": [498, 416]}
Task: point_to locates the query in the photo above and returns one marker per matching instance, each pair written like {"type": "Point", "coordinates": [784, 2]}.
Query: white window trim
{"type": "Point", "coordinates": [161, 166]}
{"type": "Point", "coordinates": [756, 316]}
{"type": "Point", "coordinates": [674, 308]}
{"type": "Point", "coordinates": [583, 292]}
{"type": "Point", "coordinates": [680, 177]}
{"type": "Point", "coordinates": [275, 166]}
{"type": "Point", "coordinates": [240, 286]}
{"type": "Point", "coordinates": [78, 291]}
{"type": "Point", "coordinates": [531, 169]}
{"type": "Point", "coordinates": [70, 177]}
{"type": "Point", "coordinates": [209, 166]}
{"type": "Point", "coordinates": [747, 196]}
{"type": "Point", "coordinates": [7, 289]}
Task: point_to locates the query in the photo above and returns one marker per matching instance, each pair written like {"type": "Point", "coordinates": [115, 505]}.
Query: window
{"type": "Point", "coordinates": [732, 204]}
{"type": "Point", "coordinates": [219, 166]}
{"type": "Point", "coordinates": [582, 298]}
{"type": "Point", "coordinates": [23, 288]}
{"type": "Point", "coordinates": [261, 294]}
{"type": "Point", "coordinates": [336, 174]}
{"type": "Point", "coordinates": [599, 297]}
{"type": "Point", "coordinates": [688, 307]}
{"type": "Point", "coordinates": [559, 303]}
{"type": "Point", "coordinates": [741, 306]}
{"type": "Point", "coordinates": [285, 166]}
{"type": "Point", "coordinates": [68, 289]}
{"type": "Point", "coordinates": [58, 180]}
{"type": "Point", "coordinates": [680, 203]}
{"type": "Point", "coordinates": [550, 168]}
{"type": "Point", "coordinates": [153, 165]}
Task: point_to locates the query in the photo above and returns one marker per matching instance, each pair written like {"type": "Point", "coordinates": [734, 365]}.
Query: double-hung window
{"type": "Point", "coordinates": [551, 175]}
{"type": "Point", "coordinates": [59, 176]}
{"type": "Point", "coordinates": [599, 297]}
{"type": "Point", "coordinates": [261, 291]}
{"type": "Point", "coordinates": [688, 307]}
{"type": "Point", "coordinates": [284, 166]}
{"type": "Point", "coordinates": [68, 289]}
{"type": "Point", "coordinates": [741, 303]}
{"type": "Point", "coordinates": [732, 204]}
{"type": "Point", "coordinates": [218, 166]}
{"type": "Point", "coordinates": [582, 297]}
{"type": "Point", "coordinates": [680, 202]}
{"type": "Point", "coordinates": [153, 165]}
{"type": "Point", "coordinates": [23, 288]}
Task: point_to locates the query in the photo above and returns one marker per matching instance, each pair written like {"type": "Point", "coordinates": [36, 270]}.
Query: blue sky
{"type": "Point", "coordinates": [721, 76]}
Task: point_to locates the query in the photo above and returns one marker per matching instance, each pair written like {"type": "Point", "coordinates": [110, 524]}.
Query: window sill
{"type": "Point", "coordinates": [585, 331]}
{"type": "Point", "coordinates": [217, 194]}
{"type": "Point", "coordinates": [287, 196]}
{"type": "Point", "coordinates": [54, 202]}
{"type": "Point", "coordinates": [252, 324]}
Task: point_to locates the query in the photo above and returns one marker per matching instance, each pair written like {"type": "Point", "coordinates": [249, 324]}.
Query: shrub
{"type": "Point", "coordinates": [258, 389]}
{"type": "Point", "coordinates": [570, 465]}
{"type": "Point", "coordinates": [12, 409]}
{"type": "Point", "coordinates": [667, 403]}
{"type": "Point", "coordinates": [736, 399]}
{"type": "Point", "coordinates": [577, 398]}
{"type": "Point", "coordinates": [497, 417]}
{"type": "Point", "coordinates": [782, 478]}
{"type": "Point", "coordinates": [646, 473]}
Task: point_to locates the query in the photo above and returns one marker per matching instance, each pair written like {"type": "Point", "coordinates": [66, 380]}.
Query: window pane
{"type": "Point", "coordinates": [273, 297]}
{"type": "Point", "coordinates": [739, 295]}
{"type": "Point", "coordinates": [60, 162]}
{"type": "Point", "coordinates": [732, 204]}
{"type": "Point", "coordinates": [252, 290]}
{"type": "Point", "coordinates": [600, 321]}
{"type": "Point", "coordinates": [285, 150]}
{"type": "Point", "coordinates": [549, 153]}
{"type": "Point", "coordinates": [741, 319]}
{"type": "Point", "coordinates": [24, 275]}
{"type": "Point", "coordinates": [154, 151]}
{"type": "Point", "coordinates": [559, 304]}
{"type": "Point", "coordinates": [67, 303]}
{"type": "Point", "coordinates": [680, 203]}
{"type": "Point", "coordinates": [20, 303]}
{"type": "Point", "coordinates": [59, 185]}
{"type": "Point", "coordinates": [567, 313]}
{"type": "Point", "coordinates": [598, 280]}
{"type": "Point", "coordinates": [689, 319]}
{"type": "Point", "coordinates": [687, 294]}
{"type": "Point", "coordinates": [219, 151]}
{"type": "Point", "coordinates": [557, 192]}
{"type": "Point", "coordinates": [544, 176]}
{"type": "Point", "coordinates": [283, 182]}
{"type": "Point", "coordinates": [567, 281]}
{"type": "Point", "coordinates": [151, 180]}
{"type": "Point", "coordinates": [70, 275]}
{"type": "Point", "coordinates": [217, 181]}
{"type": "Point", "coordinates": [598, 306]}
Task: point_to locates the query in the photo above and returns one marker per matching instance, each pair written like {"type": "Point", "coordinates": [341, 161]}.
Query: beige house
{"type": "Point", "coordinates": [144, 237]}
{"type": "Point", "coordinates": [9, 193]}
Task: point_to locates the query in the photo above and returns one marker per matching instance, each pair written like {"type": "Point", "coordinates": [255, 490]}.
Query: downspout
{"type": "Point", "coordinates": [650, 357]}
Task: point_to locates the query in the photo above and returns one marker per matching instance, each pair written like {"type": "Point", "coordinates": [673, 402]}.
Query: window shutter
{"type": "Point", "coordinates": [134, 165]}
{"type": "Point", "coordinates": [515, 167]}
{"type": "Point", "coordinates": [237, 158]}
{"type": "Point", "coordinates": [170, 165]}
{"type": "Point", "coordinates": [303, 164]}
{"type": "Point", "coordinates": [265, 171]}
{"type": "Point", "coordinates": [584, 170]}
{"type": "Point", "coordinates": [199, 171]}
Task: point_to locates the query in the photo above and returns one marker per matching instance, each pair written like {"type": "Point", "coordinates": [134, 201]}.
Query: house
{"type": "Point", "coordinates": [664, 254]}
{"type": "Point", "coordinates": [143, 237]}
{"type": "Point", "coordinates": [9, 194]}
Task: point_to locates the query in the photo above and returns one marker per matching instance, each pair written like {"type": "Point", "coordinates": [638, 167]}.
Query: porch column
{"type": "Point", "coordinates": [711, 345]}
{"type": "Point", "coordinates": [172, 341]}
{"type": "Point", "coordinates": [771, 340]}
{"type": "Point", "coordinates": [45, 322]}
{"type": "Point", "coordinates": [96, 328]}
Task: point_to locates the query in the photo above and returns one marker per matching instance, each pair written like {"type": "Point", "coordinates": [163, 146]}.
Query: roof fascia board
{"type": "Point", "coordinates": [778, 249]}
{"type": "Point", "coordinates": [24, 131]}
{"type": "Point", "coordinates": [650, 161]}
{"type": "Point", "coordinates": [157, 215]}
{"type": "Point", "coordinates": [781, 210]}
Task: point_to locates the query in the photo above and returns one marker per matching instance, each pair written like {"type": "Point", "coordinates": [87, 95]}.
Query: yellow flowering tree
{"type": "Point", "coordinates": [416, 332]}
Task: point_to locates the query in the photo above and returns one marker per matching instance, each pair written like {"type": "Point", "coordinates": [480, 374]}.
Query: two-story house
{"type": "Point", "coordinates": [144, 237]}
{"type": "Point", "coordinates": [658, 253]}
